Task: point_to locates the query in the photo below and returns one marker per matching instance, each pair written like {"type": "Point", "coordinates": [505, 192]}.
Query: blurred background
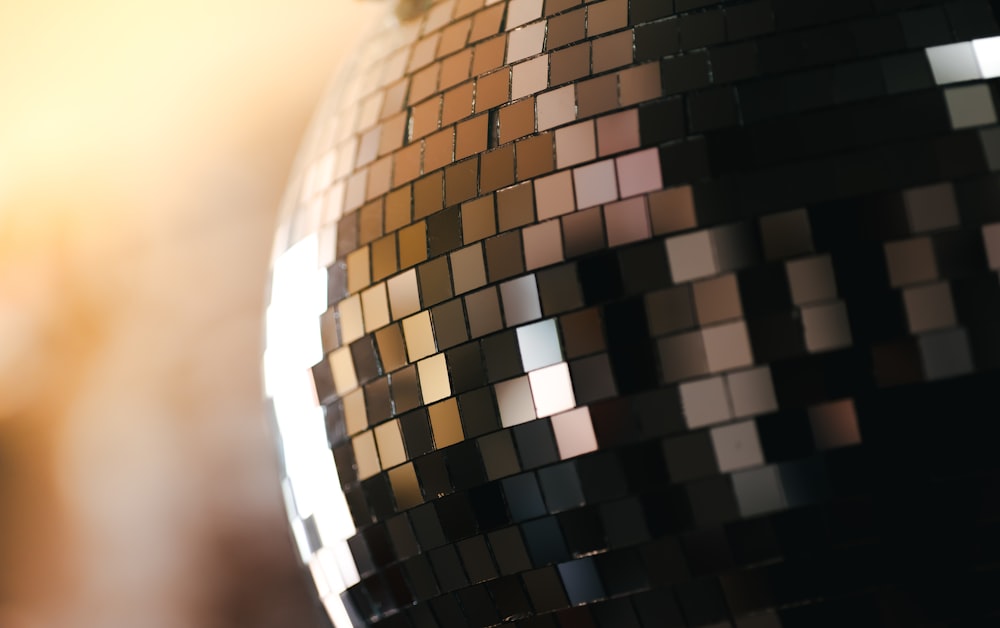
{"type": "Point", "coordinates": [143, 152]}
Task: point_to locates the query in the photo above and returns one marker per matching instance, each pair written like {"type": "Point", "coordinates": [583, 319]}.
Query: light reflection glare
{"type": "Point", "coordinates": [294, 345]}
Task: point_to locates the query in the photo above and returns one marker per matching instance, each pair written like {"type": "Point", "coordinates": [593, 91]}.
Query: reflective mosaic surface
{"type": "Point", "coordinates": [649, 313]}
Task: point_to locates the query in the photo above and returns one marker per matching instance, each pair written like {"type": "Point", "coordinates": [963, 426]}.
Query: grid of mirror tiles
{"type": "Point", "coordinates": [649, 313]}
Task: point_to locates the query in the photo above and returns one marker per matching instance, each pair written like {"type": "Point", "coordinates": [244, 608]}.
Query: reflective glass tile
{"type": "Point", "coordinates": [627, 221]}
{"type": "Point", "coordinates": [514, 401]}
{"type": "Point", "coordinates": [504, 256]}
{"type": "Point", "coordinates": [672, 210]}
{"type": "Point", "coordinates": [566, 28]}
{"type": "Point", "coordinates": [488, 55]}
{"type": "Point", "coordinates": [535, 444]}
{"type": "Point", "coordinates": [478, 219]}
{"type": "Point", "coordinates": [539, 344]}
{"type": "Point", "coordinates": [483, 309]}
{"type": "Point", "coordinates": [542, 244]}
{"type": "Point", "coordinates": [552, 389]}
{"type": "Point", "coordinates": [606, 16]}
{"type": "Point", "coordinates": [705, 402]}
{"type": "Point", "coordinates": [613, 51]}
{"type": "Point", "coordinates": [515, 206]}
{"type": "Point", "coordinates": [529, 77]}
{"type": "Point", "coordinates": [520, 300]}
{"type": "Point", "coordinates": [569, 64]}
{"type": "Point", "coordinates": [500, 460]}
{"type": "Point", "coordinates": [413, 245]}
{"type": "Point", "coordinates": [468, 268]}
{"type": "Point", "coordinates": [554, 195]}
{"type": "Point", "coordinates": [403, 296]}
{"type": "Point", "coordinates": [574, 433]}
{"type": "Point", "coordinates": [419, 336]}
{"type": "Point", "coordinates": [457, 105]}
{"type": "Point", "coordinates": [509, 551]}
{"type": "Point", "coordinates": [492, 90]}
{"type": "Point", "coordinates": [445, 423]}
{"type": "Point", "coordinates": [496, 168]}
{"type": "Point", "coordinates": [556, 107]}
{"type": "Point", "coordinates": [449, 323]}
{"type": "Point", "coordinates": [433, 374]}
{"type": "Point", "coordinates": [575, 144]}
{"type": "Point", "coordinates": [534, 156]}
{"type": "Point", "coordinates": [525, 42]}
{"type": "Point", "coordinates": [435, 281]}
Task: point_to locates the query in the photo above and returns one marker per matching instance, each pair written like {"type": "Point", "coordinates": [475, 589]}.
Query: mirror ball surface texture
{"type": "Point", "coordinates": [648, 313]}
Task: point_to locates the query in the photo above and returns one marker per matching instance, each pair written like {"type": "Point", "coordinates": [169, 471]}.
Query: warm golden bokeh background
{"type": "Point", "coordinates": [143, 150]}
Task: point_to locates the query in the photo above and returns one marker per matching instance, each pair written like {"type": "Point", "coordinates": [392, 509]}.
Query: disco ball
{"type": "Point", "coordinates": [648, 313]}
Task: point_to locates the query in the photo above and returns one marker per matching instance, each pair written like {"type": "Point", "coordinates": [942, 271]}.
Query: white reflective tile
{"type": "Point", "coordinates": [539, 344]}
{"type": "Point", "coordinates": [953, 63]}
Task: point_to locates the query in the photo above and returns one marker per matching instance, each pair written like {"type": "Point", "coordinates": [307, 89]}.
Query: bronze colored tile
{"type": "Point", "coordinates": [454, 36]}
{"type": "Point", "coordinates": [492, 90]}
{"type": "Point", "coordinates": [467, 268]}
{"type": "Point", "coordinates": [449, 324]}
{"type": "Point", "coordinates": [379, 178]}
{"type": "Point", "coordinates": [419, 336]}
{"type": "Point", "coordinates": [478, 219]}
{"type": "Point", "coordinates": [929, 307]}
{"type": "Point", "coordinates": [395, 97]}
{"type": "Point", "coordinates": [557, 6]}
{"type": "Point", "coordinates": [834, 424]}
{"type": "Point", "coordinates": [517, 120]}
{"type": "Point", "coordinates": [516, 206]}
{"type": "Point", "coordinates": [496, 169]}
{"type": "Point", "coordinates": [461, 181]}
{"type": "Point", "coordinates": [427, 195]}
{"type": "Point", "coordinates": [458, 103]}
{"type": "Point", "coordinates": [504, 257]}
{"type": "Point", "coordinates": [435, 281]}
{"type": "Point", "coordinates": [606, 16]}
{"type": "Point", "coordinates": [613, 51]}
{"type": "Point", "coordinates": [405, 487]}
{"type": "Point", "coordinates": [471, 137]}
{"type": "Point", "coordinates": [404, 297]}
{"type": "Point", "coordinates": [554, 195]}
{"type": "Point", "coordinates": [467, 7]}
{"type": "Point", "coordinates": [371, 221]}
{"type": "Point", "coordinates": [487, 22]}
{"type": "Point", "coordinates": [596, 96]}
{"type": "Point", "coordinates": [424, 118]}
{"type": "Point", "coordinates": [390, 348]}
{"type": "Point", "coordinates": [484, 312]}
{"type": "Point", "coordinates": [534, 156]}
{"type": "Point", "coordinates": [582, 332]}
{"type": "Point", "coordinates": [627, 221]}
{"type": "Point", "coordinates": [390, 443]}
{"type": "Point", "coordinates": [366, 455]}
{"type": "Point", "coordinates": [717, 299]}
{"type": "Point", "coordinates": [384, 261]}
{"type": "Point", "coordinates": [406, 164]}
{"type": "Point", "coordinates": [358, 270]}
{"type": "Point", "coordinates": [583, 232]}
{"type": "Point", "coordinates": [542, 244]}
{"type": "Point", "coordinates": [375, 307]}
{"type": "Point", "coordinates": [423, 83]}
{"type": "Point", "coordinates": [439, 149]}
{"type": "Point", "coordinates": [455, 69]}
{"type": "Point", "coordinates": [640, 84]}
{"type": "Point", "coordinates": [398, 208]}
{"type": "Point", "coordinates": [672, 210]}
{"type": "Point", "coordinates": [393, 133]}
{"type": "Point", "coordinates": [618, 132]}
{"type": "Point", "coordinates": [412, 244]}
{"type": "Point", "coordinates": [446, 424]}
{"type": "Point", "coordinates": [811, 279]}
{"type": "Point", "coordinates": [567, 28]}
{"type": "Point", "coordinates": [682, 357]}
{"type": "Point", "coordinates": [488, 55]}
